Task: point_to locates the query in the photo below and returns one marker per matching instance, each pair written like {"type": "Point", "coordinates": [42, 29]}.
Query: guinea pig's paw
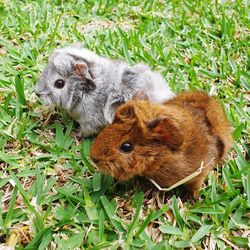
{"type": "Point", "coordinates": [190, 193]}
{"type": "Point", "coordinates": [187, 196]}
{"type": "Point", "coordinates": [193, 197]}
{"type": "Point", "coordinates": [78, 134]}
{"type": "Point", "coordinates": [82, 133]}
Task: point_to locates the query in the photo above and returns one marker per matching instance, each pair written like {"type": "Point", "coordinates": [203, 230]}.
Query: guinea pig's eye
{"type": "Point", "coordinates": [126, 147]}
{"type": "Point", "coordinates": [59, 83]}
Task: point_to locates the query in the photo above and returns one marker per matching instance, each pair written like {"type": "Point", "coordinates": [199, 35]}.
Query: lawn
{"type": "Point", "coordinates": [51, 196]}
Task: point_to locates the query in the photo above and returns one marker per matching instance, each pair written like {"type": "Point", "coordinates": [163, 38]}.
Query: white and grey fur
{"type": "Point", "coordinates": [92, 97]}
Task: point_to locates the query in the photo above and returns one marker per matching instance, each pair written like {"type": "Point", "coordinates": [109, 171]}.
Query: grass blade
{"type": "Point", "coordinates": [125, 46]}
{"type": "Point", "coordinates": [23, 193]}
{"type": "Point", "coordinates": [111, 214]}
{"type": "Point", "coordinates": [96, 181]}
{"type": "Point", "coordinates": [207, 210]}
{"type": "Point", "coordinates": [176, 213]}
{"type": "Point", "coordinates": [20, 90]}
{"type": "Point", "coordinates": [203, 231]}
{"type": "Point", "coordinates": [138, 196]}
{"type": "Point", "coordinates": [7, 221]}
{"type": "Point", "coordinates": [167, 229]}
{"type": "Point", "coordinates": [101, 225]}
{"type": "Point", "coordinates": [40, 236]}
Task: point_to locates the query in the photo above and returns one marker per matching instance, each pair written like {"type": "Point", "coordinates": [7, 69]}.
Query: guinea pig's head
{"type": "Point", "coordinates": [64, 80]}
{"type": "Point", "coordinates": [136, 141]}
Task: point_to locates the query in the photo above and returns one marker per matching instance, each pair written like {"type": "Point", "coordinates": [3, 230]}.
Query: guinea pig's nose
{"type": "Point", "coordinates": [38, 94]}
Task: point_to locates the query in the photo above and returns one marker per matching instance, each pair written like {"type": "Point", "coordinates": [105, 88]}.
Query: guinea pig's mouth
{"type": "Point", "coordinates": [117, 171]}
{"type": "Point", "coordinates": [46, 99]}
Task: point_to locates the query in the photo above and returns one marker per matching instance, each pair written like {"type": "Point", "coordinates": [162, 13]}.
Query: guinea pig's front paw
{"type": "Point", "coordinates": [83, 135]}
{"type": "Point", "coordinates": [188, 196]}
{"type": "Point", "coordinates": [192, 196]}
{"type": "Point", "coordinates": [190, 193]}
{"type": "Point", "coordinates": [79, 134]}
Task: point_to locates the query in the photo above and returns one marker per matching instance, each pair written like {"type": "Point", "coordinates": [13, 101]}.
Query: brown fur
{"type": "Point", "coordinates": [169, 141]}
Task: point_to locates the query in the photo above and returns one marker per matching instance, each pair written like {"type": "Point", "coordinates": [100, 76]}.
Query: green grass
{"type": "Point", "coordinates": [50, 195]}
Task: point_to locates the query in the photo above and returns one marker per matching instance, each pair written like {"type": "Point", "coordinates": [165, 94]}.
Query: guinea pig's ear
{"type": "Point", "coordinates": [110, 108]}
{"type": "Point", "coordinates": [127, 112]}
{"type": "Point", "coordinates": [164, 131]}
{"type": "Point", "coordinates": [82, 71]}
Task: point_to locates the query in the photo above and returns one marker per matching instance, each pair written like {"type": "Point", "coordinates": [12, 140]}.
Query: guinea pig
{"type": "Point", "coordinates": [90, 88]}
{"type": "Point", "coordinates": [164, 142]}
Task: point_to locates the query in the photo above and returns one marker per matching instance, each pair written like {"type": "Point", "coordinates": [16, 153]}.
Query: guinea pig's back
{"type": "Point", "coordinates": [210, 111]}
{"type": "Point", "coordinates": [220, 126]}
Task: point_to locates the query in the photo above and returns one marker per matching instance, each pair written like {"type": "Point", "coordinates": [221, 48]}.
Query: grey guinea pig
{"type": "Point", "coordinates": [90, 88]}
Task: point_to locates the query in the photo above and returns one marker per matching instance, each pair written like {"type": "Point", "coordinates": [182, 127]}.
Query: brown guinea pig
{"type": "Point", "coordinates": [164, 142]}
